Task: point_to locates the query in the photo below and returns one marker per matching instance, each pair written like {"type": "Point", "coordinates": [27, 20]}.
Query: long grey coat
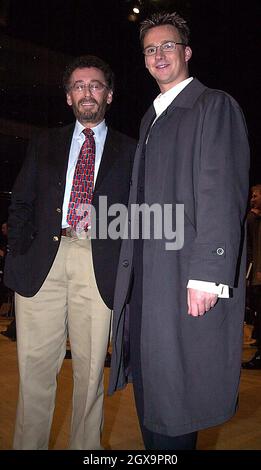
{"type": "Point", "coordinates": [197, 154]}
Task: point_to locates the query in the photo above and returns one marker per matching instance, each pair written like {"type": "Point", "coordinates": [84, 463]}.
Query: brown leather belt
{"type": "Point", "coordinates": [70, 232]}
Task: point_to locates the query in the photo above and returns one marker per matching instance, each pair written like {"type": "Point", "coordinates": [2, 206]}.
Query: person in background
{"type": "Point", "coordinates": [3, 242]}
{"type": "Point", "coordinates": [63, 277]}
{"type": "Point", "coordinates": [177, 333]}
{"type": "Point", "coordinates": [3, 245]}
{"type": "Point", "coordinates": [6, 295]}
{"type": "Point", "coordinates": [254, 260]}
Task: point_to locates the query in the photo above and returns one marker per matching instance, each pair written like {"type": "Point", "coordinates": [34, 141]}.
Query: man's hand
{"type": "Point", "coordinates": [199, 302]}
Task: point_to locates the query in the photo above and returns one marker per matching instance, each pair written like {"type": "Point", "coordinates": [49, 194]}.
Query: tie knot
{"type": "Point", "coordinates": [88, 132]}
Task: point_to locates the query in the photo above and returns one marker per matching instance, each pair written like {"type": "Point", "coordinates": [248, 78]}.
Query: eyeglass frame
{"type": "Point", "coordinates": [159, 46]}
{"type": "Point", "coordinates": [88, 86]}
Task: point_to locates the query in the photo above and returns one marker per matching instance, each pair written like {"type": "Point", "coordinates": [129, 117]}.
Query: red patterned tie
{"type": "Point", "coordinates": [78, 215]}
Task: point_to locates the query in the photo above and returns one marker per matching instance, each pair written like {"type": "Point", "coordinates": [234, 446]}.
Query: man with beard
{"type": "Point", "coordinates": [62, 271]}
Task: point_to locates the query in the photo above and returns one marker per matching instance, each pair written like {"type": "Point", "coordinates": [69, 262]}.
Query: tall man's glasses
{"type": "Point", "coordinates": [93, 87]}
{"type": "Point", "coordinates": [168, 46]}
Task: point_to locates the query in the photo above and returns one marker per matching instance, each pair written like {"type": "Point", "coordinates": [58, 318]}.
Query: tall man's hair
{"type": "Point", "coordinates": [163, 18]}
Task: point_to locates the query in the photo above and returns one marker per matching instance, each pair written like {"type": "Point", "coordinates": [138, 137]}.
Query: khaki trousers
{"type": "Point", "coordinates": [68, 302]}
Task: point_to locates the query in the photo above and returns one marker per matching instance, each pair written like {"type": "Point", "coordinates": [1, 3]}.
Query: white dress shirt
{"type": "Point", "coordinates": [78, 138]}
{"type": "Point", "coordinates": [161, 103]}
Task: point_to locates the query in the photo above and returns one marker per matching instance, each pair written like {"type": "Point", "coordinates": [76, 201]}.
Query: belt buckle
{"type": "Point", "coordinates": [67, 232]}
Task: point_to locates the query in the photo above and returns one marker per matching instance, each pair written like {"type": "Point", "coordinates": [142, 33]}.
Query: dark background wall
{"type": "Point", "coordinates": [37, 39]}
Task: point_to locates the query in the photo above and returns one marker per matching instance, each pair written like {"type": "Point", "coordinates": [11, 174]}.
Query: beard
{"type": "Point", "coordinates": [94, 115]}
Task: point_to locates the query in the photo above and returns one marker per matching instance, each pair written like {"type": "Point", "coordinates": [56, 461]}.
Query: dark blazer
{"type": "Point", "coordinates": [197, 155]}
{"type": "Point", "coordinates": [35, 212]}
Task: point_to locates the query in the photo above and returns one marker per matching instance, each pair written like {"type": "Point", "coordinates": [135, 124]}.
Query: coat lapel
{"type": "Point", "coordinates": [146, 125]}
{"type": "Point", "coordinates": [187, 97]}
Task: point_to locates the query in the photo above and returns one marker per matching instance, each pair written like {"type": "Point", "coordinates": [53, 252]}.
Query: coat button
{"type": "Point", "coordinates": [55, 238]}
{"type": "Point", "coordinates": [125, 263]}
{"type": "Point", "coordinates": [58, 210]}
{"type": "Point", "coordinates": [220, 251]}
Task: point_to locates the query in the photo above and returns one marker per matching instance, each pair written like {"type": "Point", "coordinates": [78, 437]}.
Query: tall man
{"type": "Point", "coordinates": [63, 279]}
{"type": "Point", "coordinates": [184, 344]}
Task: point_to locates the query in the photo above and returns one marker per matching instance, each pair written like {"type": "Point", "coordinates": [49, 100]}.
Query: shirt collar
{"type": "Point", "coordinates": [98, 130]}
{"type": "Point", "coordinates": [163, 100]}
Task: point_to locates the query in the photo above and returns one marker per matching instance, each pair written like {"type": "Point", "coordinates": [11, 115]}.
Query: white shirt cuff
{"type": "Point", "coordinates": [221, 290]}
